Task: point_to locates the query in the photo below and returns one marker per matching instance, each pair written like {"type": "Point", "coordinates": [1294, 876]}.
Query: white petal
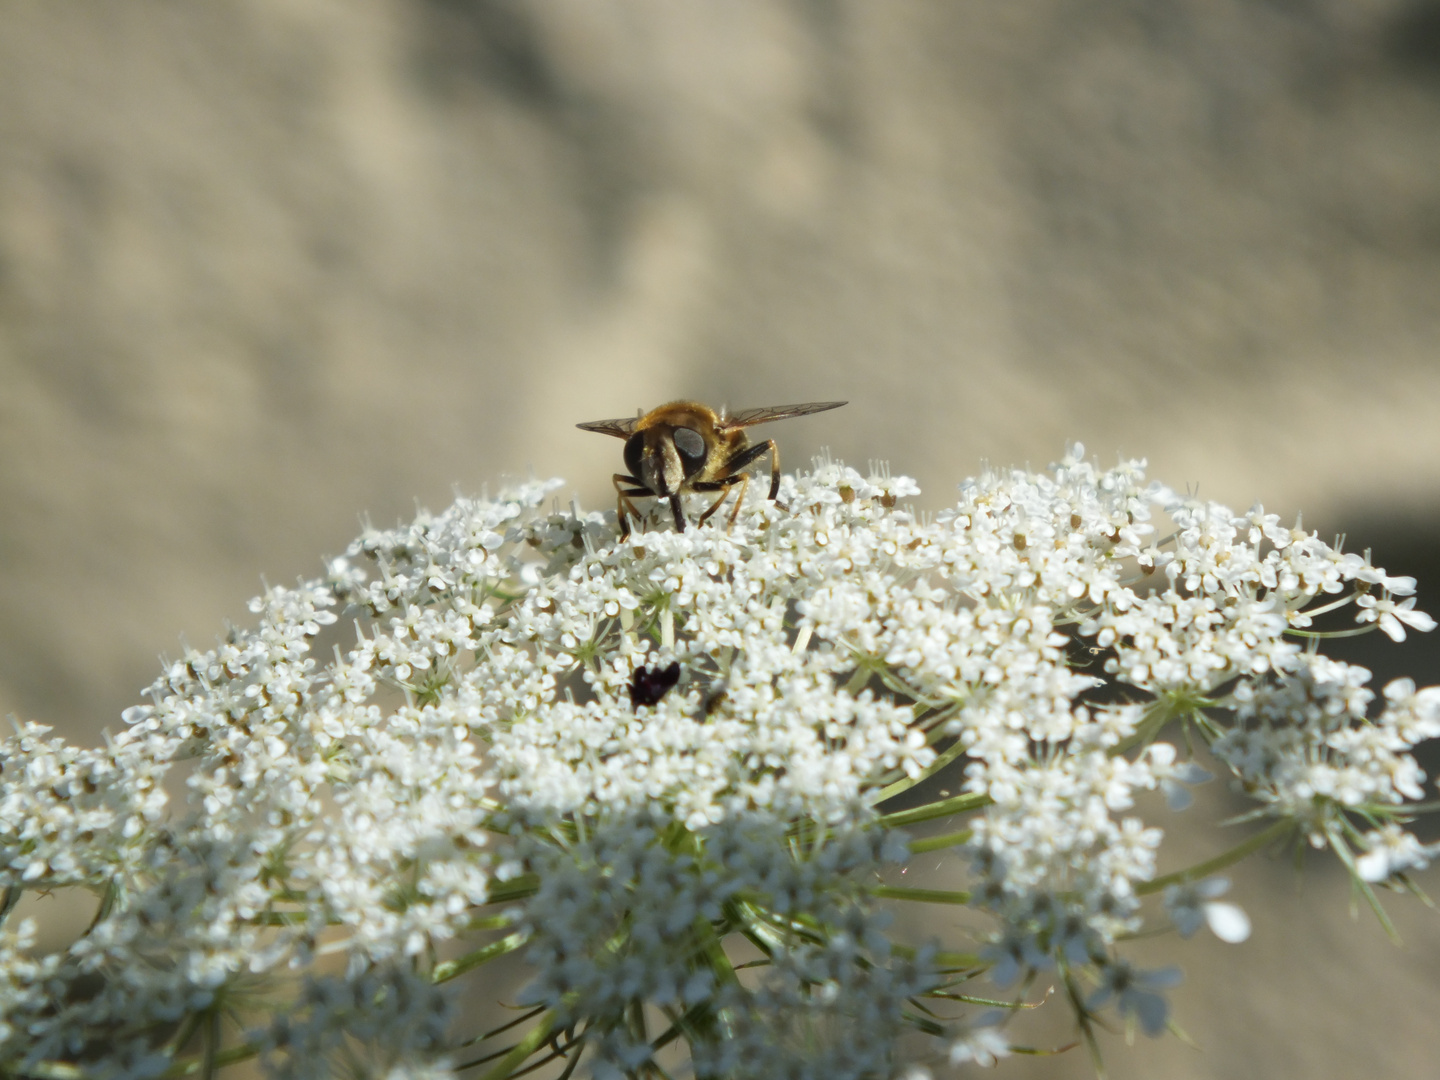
{"type": "Point", "coordinates": [1228, 922]}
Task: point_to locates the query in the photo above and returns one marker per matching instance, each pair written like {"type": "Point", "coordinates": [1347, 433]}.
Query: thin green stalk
{"type": "Point", "coordinates": [542, 1062]}
{"type": "Point", "coordinates": [923, 896]}
{"type": "Point", "coordinates": [107, 903]}
{"type": "Point", "coordinates": [219, 1061]}
{"type": "Point", "coordinates": [493, 922]}
{"type": "Point", "coordinates": [713, 950]}
{"type": "Point", "coordinates": [1403, 810]}
{"type": "Point", "coordinates": [8, 900]}
{"type": "Point", "coordinates": [533, 1040]}
{"type": "Point", "coordinates": [681, 1025]}
{"type": "Point", "coordinates": [938, 843]}
{"type": "Point", "coordinates": [517, 888]}
{"type": "Point", "coordinates": [994, 1003]}
{"type": "Point", "coordinates": [928, 1025]}
{"type": "Point", "coordinates": [1220, 862]}
{"type": "Point", "coordinates": [1344, 854]}
{"type": "Point", "coordinates": [1159, 713]}
{"type": "Point", "coordinates": [874, 798]}
{"type": "Point", "coordinates": [1326, 635]}
{"type": "Point", "coordinates": [1334, 605]}
{"type": "Point", "coordinates": [478, 1039]}
{"type": "Point", "coordinates": [209, 1066]}
{"type": "Point", "coordinates": [451, 969]}
{"type": "Point", "coordinates": [183, 1033]}
{"type": "Point", "coordinates": [957, 804]}
{"type": "Point", "coordinates": [1085, 1021]}
{"type": "Point", "coordinates": [957, 961]}
{"type": "Point", "coordinates": [570, 1068]}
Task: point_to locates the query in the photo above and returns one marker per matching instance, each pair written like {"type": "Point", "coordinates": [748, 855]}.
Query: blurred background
{"type": "Point", "coordinates": [269, 265]}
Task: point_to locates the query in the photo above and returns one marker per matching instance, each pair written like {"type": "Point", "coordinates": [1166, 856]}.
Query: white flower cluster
{"type": "Point", "coordinates": [618, 758]}
{"type": "Point", "coordinates": [387, 1022]}
{"type": "Point", "coordinates": [320, 811]}
{"type": "Point", "coordinates": [826, 1009]}
{"type": "Point", "coordinates": [843, 995]}
{"type": "Point", "coordinates": [758, 722]}
{"type": "Point", "coordinates": [1302, 743]}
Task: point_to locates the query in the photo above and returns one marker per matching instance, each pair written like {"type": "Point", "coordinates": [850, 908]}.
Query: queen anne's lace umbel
{"type": "Point", "coordinates": [500, 730]}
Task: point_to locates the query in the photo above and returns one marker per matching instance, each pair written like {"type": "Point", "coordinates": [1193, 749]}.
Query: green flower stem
{"type": "Point", "coordinates": [939, 843]}
{"type": "Point", "coordinates": [945, 962]}
{"type": "Point", "coordinates": [958, 804]}
{"type": "Point", "coordinates": [1160, 712]}
{"type": "Point", "coordinates": [923, 896]}
{"type": "Point", "coordinates": [1220, 862]}
{"type": "Point", "coordinates": [1325, 635]}
{"type": "Point", "coordinates": [955, 961]}
{"type": "Point", "coordinates": [925, 1023]}
{"type": "Point", "coordinates": [518, 888]}
{"type": "Point", "coordinates": [908, 782]}
{"type": "Point", "coordinates": [1347, 857]}
{"type": "Point", "coordinates": [557, 1050]}
{"type": "Point", "coordinates": [770, 930]}
{"type": "Point", "coordinates": [452, 968]}
{"type": "Point", "coordinates": [183, 1033]}
{"type": "Point", "coordinates": [196, 1065]}
{"type": "Point", "coordinates": [1084, 1019]}
{"type": "Point", "coordinates": [682, 1025]}
{"type": "Point", "coordinates": [570, 1068]}
{"type": "Point", "coordinates": [1405, 811]}
{"type": "Point", "coordinates": [493, 922]}
{"type": "Point", "coordinates": [533, 1040]}
{"type": "Point", "coordinates": [8, 900]}
{"type": "Point", "coordinates": [212, 1037]}
{"type": "Point", "coordinates": [713, 951]}
{"type": "Point", "coordinates": [1332, 606]}
{"type": "Point", "coordinates": [994, 1003]}
{"type": "Point", "coordinates": [476, 1040]}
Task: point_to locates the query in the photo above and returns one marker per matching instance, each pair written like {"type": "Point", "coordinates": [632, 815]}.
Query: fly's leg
{"type": "Point", "coordinates": [624, 508]}
{"type": "Point", "coordinates": [774, 469]}
{"type": "Point", "coordinates": [722, 486]}
{"type": "Point", "coordinates": [734, 468]}
{"type": "Point", "coordinates": [739, 501]}
{"type": "Point", "coordinates": [754, 453]}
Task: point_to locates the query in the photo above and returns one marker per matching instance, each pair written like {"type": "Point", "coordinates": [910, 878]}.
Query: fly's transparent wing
{"type": "Point", "coordinates": [750, 417]}
{"type": "Point", "coordinates": [622, 428]}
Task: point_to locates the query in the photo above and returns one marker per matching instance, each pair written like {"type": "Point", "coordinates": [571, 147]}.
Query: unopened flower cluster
{"type": "Point", "coordinates": [502, 731]}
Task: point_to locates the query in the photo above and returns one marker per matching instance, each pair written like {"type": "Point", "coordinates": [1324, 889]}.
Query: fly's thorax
{"type": "Point", "coordinates": [728, 445]}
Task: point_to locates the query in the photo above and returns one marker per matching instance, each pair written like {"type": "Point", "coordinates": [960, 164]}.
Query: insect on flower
{"type": "Point", "coordinates": [649, 685]}
{"type": "Point", "coordinates": [685, 447]}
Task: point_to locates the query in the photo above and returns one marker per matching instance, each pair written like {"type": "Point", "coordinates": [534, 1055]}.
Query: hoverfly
{"type": "Point", "coordinates": [685, 446]}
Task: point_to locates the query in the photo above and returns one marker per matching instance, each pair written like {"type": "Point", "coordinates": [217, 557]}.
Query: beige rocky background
{"type": "Point", "coordinates": [266, 265]}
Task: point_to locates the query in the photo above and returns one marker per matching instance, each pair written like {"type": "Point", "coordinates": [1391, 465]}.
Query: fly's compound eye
{"type": "Point", "coordinates": [634, 449]}
{"type": "Point", "coordinates": [691, 446]}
